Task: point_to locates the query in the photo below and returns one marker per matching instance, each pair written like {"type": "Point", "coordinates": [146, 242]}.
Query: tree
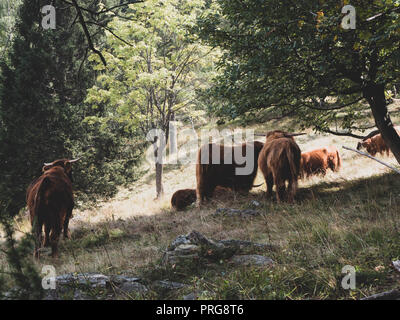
{"type": "Point", "coordinates": [43, 82]}
{"type": "Point", "coordinates": [153, 71]}
{"type": "Point", "coordinates": [8, 13]}
{"type": "Point", "coordinates": [92, 15]}
{"type": "Point", "coordinates": [294, 57]}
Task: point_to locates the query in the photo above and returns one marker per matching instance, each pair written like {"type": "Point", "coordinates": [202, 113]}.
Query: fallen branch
{"type": "Point", "coordinates": [373, 158]}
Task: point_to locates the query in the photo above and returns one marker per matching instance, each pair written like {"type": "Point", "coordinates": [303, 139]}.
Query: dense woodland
{"type": "Point", "coordinates": [113, 70]}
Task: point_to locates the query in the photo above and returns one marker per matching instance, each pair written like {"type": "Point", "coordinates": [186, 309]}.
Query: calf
{"type": "Point", "coordinates": [183, 198]}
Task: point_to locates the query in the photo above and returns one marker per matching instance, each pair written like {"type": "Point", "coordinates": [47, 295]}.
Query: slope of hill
{"type": "Point", "coordinates": [346, 218]}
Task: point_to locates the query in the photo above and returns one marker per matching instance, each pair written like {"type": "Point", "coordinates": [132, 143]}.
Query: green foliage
{"type": "Point", "coordinates": [154, 68]}
{"type": "Point", "coordinates": [43, 84]}
{"type": "Point", "coordinates": [8, 13]}
{"type": "Point", "coordinates": [297, 59]}
{"type": "Point", "coordinates": [25, 280]}
{"type": "Point", "coordinates": [42, 112]}
{"type": "Point", "coordinates": [152, 75]}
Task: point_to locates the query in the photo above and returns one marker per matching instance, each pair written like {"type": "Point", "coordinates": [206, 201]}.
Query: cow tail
{"type": "Point", "coordinates": [38, 219]}
{"type": "Point", "coordinates": [38, 203]}
{"type": "Point", "coordinates": [294, 170]}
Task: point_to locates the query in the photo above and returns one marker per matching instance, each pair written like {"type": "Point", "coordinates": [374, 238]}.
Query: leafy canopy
{"type": "Point", "coordinates": [154, 68]}
{"type": "Point", "coordinates": [293, 57]}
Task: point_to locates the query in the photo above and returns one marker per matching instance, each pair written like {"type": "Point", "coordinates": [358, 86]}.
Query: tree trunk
{"type": "Point", "coordinates": [159, 169]}
{"type": "Point", "coordinates": [375, 95]}
{"type": "Point", "coordinates": [159, 185]}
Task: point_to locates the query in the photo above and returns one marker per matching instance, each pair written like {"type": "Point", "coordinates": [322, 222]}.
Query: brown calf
{"type": "Point", "coordinates": [183, 198]}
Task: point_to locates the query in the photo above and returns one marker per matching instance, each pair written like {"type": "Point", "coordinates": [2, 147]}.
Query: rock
{"type": "Point", "coordinates": [74, 286]}
{"type": "Point", "coordinates": [133, 287]}
{"type": "Point", "coordinates": [80, 287]}
{"type": "Point", "coordinates": [198, 239]}
{"type": "Point", "coordinates": [78, 295]}
{"type": "Point", "coordinates": [168, 285]}
{"type": "Point", "coordinates": [236, 213]}
{"type": "Point", "coordinates": [185, 249]}
{"type": "Point", "coordinates": [190, 296]}
{"type": "Point", "coordinates": [120, 279]}
{"type": "Point", "coordinates": [252, 260]}
{"type": "Point", "coordinates": [178, 241]}
{"type": "Point", "coordinates": [93, 279]}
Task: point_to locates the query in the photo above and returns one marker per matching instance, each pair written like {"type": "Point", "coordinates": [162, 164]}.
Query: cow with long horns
{"type": "Point", "coordinates": [279, 161]}
{"type": "Point", "coordinates": [231, 167]}
{"type": "Point", "coordinates": [50, 203]}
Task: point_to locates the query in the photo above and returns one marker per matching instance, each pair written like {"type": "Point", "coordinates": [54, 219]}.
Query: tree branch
{"type": "Point", "coordinates": [87, 34]}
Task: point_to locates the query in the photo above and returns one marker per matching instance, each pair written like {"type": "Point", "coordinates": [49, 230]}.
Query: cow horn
{"type": "Point", "coordinates": [48, 164]}
{"type": "Point", "coordinates": [295, 134]}
{"type": "Point", "coordinates": [75, 160]}
{"type": "Point", "coordinates": [258, 185]}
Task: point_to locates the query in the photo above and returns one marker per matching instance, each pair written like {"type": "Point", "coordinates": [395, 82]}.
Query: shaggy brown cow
{"type": "Point", "coordinates": [314, 162]}
{"type": "Point", "coordinates": [50, 202]}
{"type": "Point", "coordinates": [318, 161]}
{"type": "Point", "coordinates": [183, 198]}
{"type": "Point", "coordinates": [226, 173]}
{"type": "Point", "coordinates": [376, 144]}
{"type": "Point", "coordinates": [279, 161]}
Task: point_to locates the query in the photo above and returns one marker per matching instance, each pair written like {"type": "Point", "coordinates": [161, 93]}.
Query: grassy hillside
{"type": "Point", "coordinates": [346, 218]}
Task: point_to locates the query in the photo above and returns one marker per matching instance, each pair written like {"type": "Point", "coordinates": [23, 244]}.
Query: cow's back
{"type": "Point", "coordinates": [283, 156]}
{"type": "Point", "coordinates": [50, 195]}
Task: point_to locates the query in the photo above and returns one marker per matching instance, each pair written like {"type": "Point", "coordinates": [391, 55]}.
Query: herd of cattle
{"type": "Point", "coordinates": [279, 160]}
{"type": "Point", "coordinates": [50, 199]}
